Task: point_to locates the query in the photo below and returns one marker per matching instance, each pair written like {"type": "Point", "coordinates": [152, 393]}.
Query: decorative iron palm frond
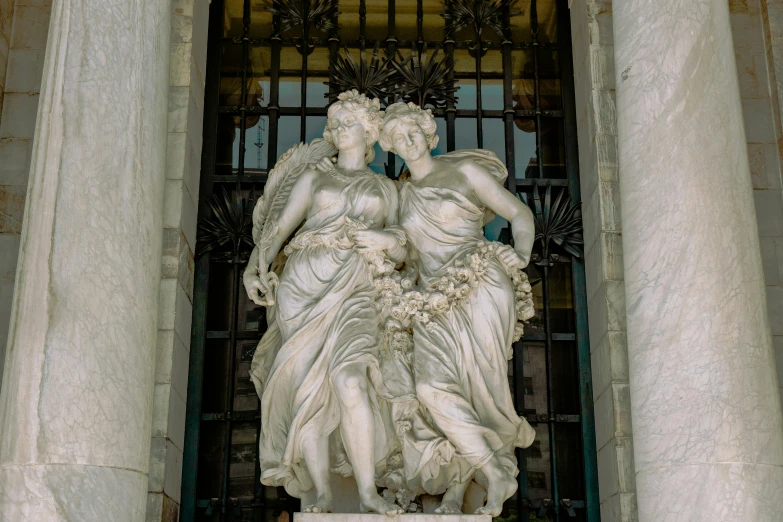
{"type": "Point", "coordinates": [228, 228]}
{"type": "Point", "coordinates": [557, 222]}
{"type": "Point", "coordinates": [477, 14]}
{"type": "Point", "coordinates": [376, 78]}
{"type": "Point", "coordinates": [425, 80]}
{"type": "Point", "coordinates": [318, 13]}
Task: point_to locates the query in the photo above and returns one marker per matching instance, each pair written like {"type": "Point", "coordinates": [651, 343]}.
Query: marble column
{"type": "Point", "coordinates": [707, 429]}
{"type": "Point", "coordinates": [76, 402]}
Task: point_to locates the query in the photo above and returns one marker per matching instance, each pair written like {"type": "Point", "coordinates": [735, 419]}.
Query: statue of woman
{"type": "Point", "coordinates": [472, 295]}
{"type": "Point", "coordinates": [317, 366]}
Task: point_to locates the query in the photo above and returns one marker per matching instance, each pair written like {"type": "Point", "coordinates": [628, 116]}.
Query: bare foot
{"type": "Point", "coordinates": [322, 505]}
{"type": "Point", "coordinates": [452, 499]}
{"type": "Point", "coordinates": [500, 489]}
{"type": "Point", "coordinates": [375, 503]}
{"type": "Point", "coordinates": [449, 508]}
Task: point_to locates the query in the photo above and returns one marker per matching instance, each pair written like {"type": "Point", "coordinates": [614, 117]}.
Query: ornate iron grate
{"type": "Point", "coordinates": [498, 75]}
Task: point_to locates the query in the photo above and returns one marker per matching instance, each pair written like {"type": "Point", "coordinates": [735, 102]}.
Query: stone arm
{"type": "Point", "coordinates": [494, 196]}
{"type": "Point", "coordinates": [293, 214]}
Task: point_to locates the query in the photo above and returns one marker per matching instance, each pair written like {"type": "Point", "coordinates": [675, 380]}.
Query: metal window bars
{"type": "Point", "coordinates": [217, 441]}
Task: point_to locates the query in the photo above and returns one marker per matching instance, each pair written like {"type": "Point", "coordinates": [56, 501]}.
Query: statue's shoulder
{"type": "Point", "coordinates": [459, 166]}
{"type": "Point", "coordinates": [455, 161]}
{"type": "Point", "coordinates": [476, 163]}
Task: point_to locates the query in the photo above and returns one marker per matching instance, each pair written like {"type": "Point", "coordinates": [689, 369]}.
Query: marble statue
{"type": "Point", "coordinates": [390, 317]}
{"type": "Point", "coordinates": [472, 298]}
{"type": "Point", "coordinates": [317, 368]}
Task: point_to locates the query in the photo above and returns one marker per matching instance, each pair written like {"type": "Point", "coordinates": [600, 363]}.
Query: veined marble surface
{"type": "Point", "coordinates": [76, 400]}
{"type": "Point", "coordinates": [708, 436]}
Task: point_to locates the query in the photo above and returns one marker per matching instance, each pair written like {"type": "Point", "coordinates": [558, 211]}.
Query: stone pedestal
{"type": "Point", "coordinates": [409, 517]}
{"type": "Point", "coordinates": [76, 399]}
{"type": "Point", "coordinates": [707, 429]}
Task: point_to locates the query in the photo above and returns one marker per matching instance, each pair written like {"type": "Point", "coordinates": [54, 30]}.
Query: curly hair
{"type": "Point", "coordinates": [368, 112]}
{"type": "Point", "coordinates": [408, 113]}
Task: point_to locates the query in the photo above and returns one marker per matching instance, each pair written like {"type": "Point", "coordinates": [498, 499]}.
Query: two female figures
{"type": "Point", "coordinates": [319, 366]}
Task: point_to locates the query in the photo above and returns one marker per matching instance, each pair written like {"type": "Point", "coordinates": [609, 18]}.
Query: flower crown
{"type": "Point", "coordinates": [372, 104]}
{"type": "Point", "coordinates": [405, 108]}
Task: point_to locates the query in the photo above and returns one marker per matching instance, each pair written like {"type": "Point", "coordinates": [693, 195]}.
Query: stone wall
{"type": "Point", "coordinates": [757, 26]}
{"type": "Point", "coordinates": [183, 167]}
{"type": "Point", "coordinates": [594, 79]}
{"type": "Point", "coordinates": [6, 22]}
{"type": "Point", "coordinates": [23, 29]}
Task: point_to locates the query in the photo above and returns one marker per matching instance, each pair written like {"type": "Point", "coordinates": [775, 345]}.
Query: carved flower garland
{"type": "Point", "coordinates": [401, 303]}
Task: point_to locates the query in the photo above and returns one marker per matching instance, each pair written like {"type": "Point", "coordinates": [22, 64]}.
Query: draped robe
{"type": "Point", "coordinates": [324, 320]}
{"type": "Point", "coordinates": [460, 355]}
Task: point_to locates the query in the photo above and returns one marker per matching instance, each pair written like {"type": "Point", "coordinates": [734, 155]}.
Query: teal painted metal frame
{"type": "Point", "coordinates": [198, 335]}
{"type": "Point", "coordinates": [589, 450]}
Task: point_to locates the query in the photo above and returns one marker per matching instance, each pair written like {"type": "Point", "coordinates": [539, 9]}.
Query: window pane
{"type": "Point", "coordinates": [232, 18]}
{"type": "Point", "coordinates": [495, 137]}
{"type": "Point", "coordinates": [565, 378]}
{"type": "Point", "coordinates": [287, 133]}
{"type": "Point", "coordinates": [260, 20]}
{"type": "Point", "coordinates": [376, 21]}
{"type": "Point", "coordinates": [523, 78]}
{"type": "Point", "coordinates": [256, 143]}
{"type": "Point", "coordinates": [570, 465]}
{"type": "Point", "coordinates": [538, 455]}
{"type": "Point", "coordinates": [547, 21]}
{"type": "Point", "coordinates": [379, 162]}
{"type": "Point", "coordinates": [494, 228]}
{"type": "Point", "coordinates": [525, 163]}
{"type": "Point", "coordinates": [242, 467]}
{"type": "Point", "coordinates": [231, 71]}
{"type": "Point", "coordinates": [227, 145]}
{"type": "Point", "coordinates": [210, 462]}
{"type": "Point", "coordinates": [465, 133]}
{"type": "Point", "coordinates": [553, 148]}
{"type": "Point", "coordinates": [407, 29]}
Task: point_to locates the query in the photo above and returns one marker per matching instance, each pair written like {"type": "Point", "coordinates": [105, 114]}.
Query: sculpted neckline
{"type": "Point", "coordinates": [358, 174]}
{"type": "Point", "coordinates": [463, 197]}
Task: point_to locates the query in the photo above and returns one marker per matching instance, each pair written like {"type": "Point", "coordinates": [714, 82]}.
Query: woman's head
{"type": "Point", "coordinates": [408, 130]}
{"type": "Point", "coordinates": [352, 120]}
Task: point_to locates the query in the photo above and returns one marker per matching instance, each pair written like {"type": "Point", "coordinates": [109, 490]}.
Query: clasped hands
{"type": "Point", "coordinates": [373, 240]}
